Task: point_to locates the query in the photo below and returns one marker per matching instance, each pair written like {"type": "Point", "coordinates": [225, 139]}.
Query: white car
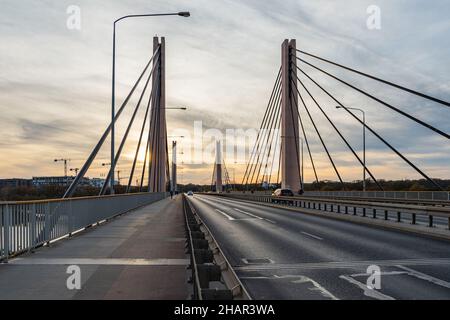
{"type": "Point", "coordinates": [190, 193]}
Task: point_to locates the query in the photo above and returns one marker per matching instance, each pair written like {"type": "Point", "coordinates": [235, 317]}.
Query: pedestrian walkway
{"type": "Point", "coordinates": [140, 255]}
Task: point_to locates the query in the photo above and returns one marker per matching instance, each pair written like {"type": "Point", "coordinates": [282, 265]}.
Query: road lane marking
{"type": "Point", "coordinates": [226, 215]}
{"type": "Point", "coordinates": [301, 280]}
{"type": "Point", "coordinates": [311, 235]}
{"type": "Point", "coordinates": [316, 287]}
{"type": "Point", "coordinates": [346, 265]}
{"type": "Point", "coordinates": [425, 277]}
{"type": "Point", "coordinates": [253, 215]}
{"type": "Point", "coordinates": [372, 293]}
{"type": "Point", "coordinates": [249, 214]}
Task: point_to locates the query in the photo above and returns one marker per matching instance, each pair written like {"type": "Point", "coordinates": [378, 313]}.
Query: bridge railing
{"type": "Point", "coordinates": [399, 195]}
{"type": "Point", "coordinates": [25, 225]}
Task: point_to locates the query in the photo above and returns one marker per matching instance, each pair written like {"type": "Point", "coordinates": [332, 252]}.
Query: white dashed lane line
{"type": "Point", "coordinates": [226, 215]}
{"type": "Point", "coordinates": [253, 215]}
{"type": "Point", "coordinates": [312, 236]}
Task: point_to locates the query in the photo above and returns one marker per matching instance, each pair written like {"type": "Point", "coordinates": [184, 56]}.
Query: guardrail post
{"type": "Point", "coordinates": [33, 226]}
{"type": "Point", "coordinates": [47, 224]}
{"type": "Point", "coordinates": [354, 211]}
{"type": "Point", "coordinates": [399, 216]}
{"type": "Point", "coordinates": [374, 215]}
{"type": "Point", "coordinates": [339, 209]}
{"type": "Point", "coordinates": [346, 209]}
{"type": "Point", "coordinates": [413, 218]}
{"type": "Point", "coordinates": [6, 232]}
{"type": "Point", "coordinates": [364, 212]}
{"type": "Point", "coordinates": [449, 223]}
{"type": "Point", "coordinates": [385, 215]}
{"type": "Point", "coordinates": [430, 221]}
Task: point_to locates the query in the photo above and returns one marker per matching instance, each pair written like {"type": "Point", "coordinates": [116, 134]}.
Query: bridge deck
{"type": "Point", "coordinates": [139, 255]}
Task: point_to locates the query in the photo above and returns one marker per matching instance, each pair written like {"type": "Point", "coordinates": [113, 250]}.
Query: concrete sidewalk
{"type": "Point", "coordinates": [139, 255]}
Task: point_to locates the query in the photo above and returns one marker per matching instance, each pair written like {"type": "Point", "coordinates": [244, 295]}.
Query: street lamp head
{"type": "Point", "coordinates": [338, 107]}
{"type": "Point", "coordinates": [183, 108]}
{"type": "Point", "coordinates": [184, 14]}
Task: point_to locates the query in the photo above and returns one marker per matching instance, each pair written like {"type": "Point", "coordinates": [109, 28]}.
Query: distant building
{"type": "Point", "coordinates": [52, 181]}
{"type": "Point", "coordinates": [65, 181]}
{"type": "Point", "coordinates": [15, 182]}
{"type": "Point", "coordinates": [96, 182]}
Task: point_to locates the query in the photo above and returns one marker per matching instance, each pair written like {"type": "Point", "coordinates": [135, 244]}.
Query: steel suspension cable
{"type": "Point", "coordinates": [380, 80]}
{"type": "Point", "coordinates": [375, 133]}
{"type": "Point", "coordinates": [140, 140]}
{"type": "Point", "coordinates": [320, 137]}
{"type": "Point", "coordinates": [274, 152]}
{"type": "Point", "coordinates": [276, 109]}
{"type": "Point", "coordinates": [262, 123]}
{"type": "Point", "coordinates": [340, 134]}
{"type": "Point", "coordinates": [69, 192]}
{"type": "Point", "coordinates": [307, 144]}
{"type": "Point", "coordinates": [379, 101]}
{"type": "Point", "coordinates": [257, 153]}
{"type": "Point", "coordinates": [147, 150]}
{"type": "Point", "coordinates": [125, 136]}
{"type": "Point", "coordinates": [277, 126]}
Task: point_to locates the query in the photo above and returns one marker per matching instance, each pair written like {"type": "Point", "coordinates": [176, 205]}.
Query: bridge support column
{"type": "Point", "coordinates": [290, 160]}
{"type": "Point", "coordinates": [158, 157]}
{"type": "Point", "coordinates": [218, 165]}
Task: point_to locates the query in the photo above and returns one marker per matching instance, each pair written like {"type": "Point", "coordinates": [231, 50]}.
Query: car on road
{"type": "Point", "coordinates": [190, 193]}
{"type": "Point", "coordinates": [281, 193]}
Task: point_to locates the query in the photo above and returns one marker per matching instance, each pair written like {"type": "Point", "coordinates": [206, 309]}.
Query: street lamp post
{"type": "Point", "coordinates": [364, 143]}
{"type": "Point", "coordinates": [302, 171]}
{"type": "Point", "coordinates": [113, 112]}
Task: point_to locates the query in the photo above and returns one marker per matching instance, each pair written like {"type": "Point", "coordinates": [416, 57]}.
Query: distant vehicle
{"type": "Point", "coordinates": [190, 193]}
{"type": "Point", "coordinates": [282, 193]}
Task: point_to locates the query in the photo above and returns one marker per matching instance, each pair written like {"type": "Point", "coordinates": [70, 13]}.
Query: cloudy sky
{"type": "Point", "coordinates": [221, 64]}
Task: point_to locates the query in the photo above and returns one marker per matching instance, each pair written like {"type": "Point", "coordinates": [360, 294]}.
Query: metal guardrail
{"type": "Point", "coordinates": [25, 225]}
{"type": "Point", "coordinates": [355, 207]}
{"type": "Point", "coordinates": [208, 263]}
{"type": "Point", "coordinates": [400, 195]}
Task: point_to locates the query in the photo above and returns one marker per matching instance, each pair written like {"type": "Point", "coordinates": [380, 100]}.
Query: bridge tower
{"type": "Point", "coordinates": [218, 165]}
{"type": "Point", "coordinates": [290, 160]}
{"type": "Point", "coordinates": [158, 158]}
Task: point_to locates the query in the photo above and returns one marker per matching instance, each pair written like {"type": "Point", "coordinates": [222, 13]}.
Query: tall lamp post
{"type": "Point", "coordinates": [364, 143]}
{"type": "Point", "coordinates": [113, 112]}
{"type": "Point", "coordinates": [302, 182]}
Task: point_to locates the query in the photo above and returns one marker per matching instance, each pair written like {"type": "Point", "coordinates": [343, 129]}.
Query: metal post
{"type": "Point", "coordinates": [162, 118]}
{"type": "Point", "coordinates": [364, 151]}
{"type": "Point", "coordinates": [289, 121]}
{"type": "Point", "coordinates": [174, 166]}
{"type": "Point", "coordinates": [6, 231]}
{"type": "Point", "coordinates": [33, 214]}
{"type": "Point", "coordinates": [113, 112]}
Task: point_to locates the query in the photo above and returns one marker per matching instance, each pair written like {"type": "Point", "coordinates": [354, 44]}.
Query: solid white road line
{"type": "Point", "coordinates": [311, 235]}
{"type": "Point", "coordinates": [425, 277]}
{"type": "Point", "coordinates": [226, 215]}
{"type": "Point", "coordinates": [373, 293]}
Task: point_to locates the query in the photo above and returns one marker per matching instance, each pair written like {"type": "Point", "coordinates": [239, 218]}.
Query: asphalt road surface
{"type": "Point", "coordinates": [282, 254]}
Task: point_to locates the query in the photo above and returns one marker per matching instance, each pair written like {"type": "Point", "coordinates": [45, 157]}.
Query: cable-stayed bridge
{"type": "Point", "coordinates": [241, 245]}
